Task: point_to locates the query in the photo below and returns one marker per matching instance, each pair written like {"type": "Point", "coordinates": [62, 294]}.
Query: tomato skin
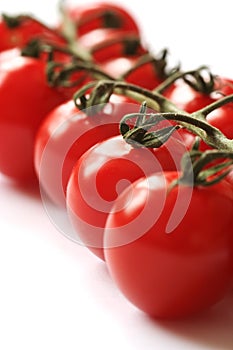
{"type": "Point", "coordinates": [89, 17]}
{"type": "Point", "coordinates": [66, 134]}
{"type": "Point", "coordinates": [25, 99]}
{"type": "Point", "coordinates": [110, 166]}
{"type": "Point", "coordinates": [27, 30]}
{"type": "Point", "coordinates": [176, 274]}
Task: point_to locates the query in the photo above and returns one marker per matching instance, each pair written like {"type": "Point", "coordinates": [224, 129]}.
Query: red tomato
{"type": "Point", "coordinates": [109, 167]}
{"type": "Point", "coordinates": [169, 255]}
{"type": "Point", "coordinates": [144, 75]}
{"type": "Point", "coordinates": [222, 117]}
{"type": "Point", "coordinates": [89, 17]}
{"type": "Point", "coordinates": [187, 98]}
{"type": "Point", "coordinates": [66, 134]}
{"type": "Point", "coordinates": [23, 32]}
{"type": "Point", "coordinates": [25, 99]}
{"type": "Point", "coordinates": [104, 44]}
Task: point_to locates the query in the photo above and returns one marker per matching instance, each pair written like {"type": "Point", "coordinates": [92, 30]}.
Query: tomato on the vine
{"type": "Point", "coordinates": [66, 134]}
{"type": "Point", "coordinates": [187, 98]}
{"type": "Point", "coordinates": [110, 166]}
{"type": "Point", "coordinates": [89, 17]}
{"type": "Point", "coordinates": [222, 118]}
{"type": "Point", "coordinates": [18, 31]}
{"type": "Point", "coordinates": [25, 99]}
{"type": "Point", "coordinates": [169, 255]}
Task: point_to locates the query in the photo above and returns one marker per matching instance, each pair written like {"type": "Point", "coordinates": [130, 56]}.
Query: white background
{"type": "Point", "coordinates": [54, 294]}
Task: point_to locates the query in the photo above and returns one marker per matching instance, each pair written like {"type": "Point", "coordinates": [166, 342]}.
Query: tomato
{"type": "Point", "coordinates": [187, 98]}
{"type": "Point", "coordinates": [110, 166]}
{"type": "Point", "coordinates": [222, 118]}
{"type": "Point", "coordinates": [170, 256]}
{"type": "Point", "coordinates": [24, 30]}
{"type": "Point", "coordinates": [145, 75]}
{"type": "Point", "coordinates": [25, 99]}
{"type": "Point", "coordinates": [89, 17]}
{"type": "Point", "coordinates": [66, 134]}
{"type": "Point", "coordinates": [104, 44]}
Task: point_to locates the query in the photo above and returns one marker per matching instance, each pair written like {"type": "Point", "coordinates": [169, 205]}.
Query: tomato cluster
{"type": "Point", "coordinates": [137, 156]}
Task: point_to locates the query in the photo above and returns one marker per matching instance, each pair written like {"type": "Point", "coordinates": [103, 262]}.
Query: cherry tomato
{"type": "Point", "coordinates": [187, 98]}
{"type": "Point", "coordinates": [19, 32]}
{"type": "Point", "coordinates": [89, 17]}
{"type": "Point", "coordinates": [25, 99]}
{"type": "Point", "coordinates": [144, 75]}
{"type": "Point", "coordinates": [66, 134]}
{"type": "Point", "coordinates": [169, 268]}
{"type": "Point", "coordinates": [110, 166]}
{"type": "Point", "coordinates": [222, 117]}
{"type": "Point", "coordinates": [104, 44]}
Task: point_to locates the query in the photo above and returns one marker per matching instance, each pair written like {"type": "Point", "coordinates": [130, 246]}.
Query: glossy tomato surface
{"type": "Point", "coordinates": [170, 252]}
{"type": "Point", "coordinates": [25, 99]}
{"type": "Point", "coordinates": [66, 134]}
{"type": "Point", "coordinates": [110, 166]}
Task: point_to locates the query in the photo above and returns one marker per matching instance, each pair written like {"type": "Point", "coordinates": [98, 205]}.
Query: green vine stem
{"type": "Point", "coordinates": [62, 77]}
{"type": "Point", "coordinates": [202, 172]}
{"type": "Point", "coordinates": [193, 78]}
{"type": "Point", "coordinates": [69, 31]}
{"type": "Point", "coordinates": [195, 123]}
{"type": "Point", "coordinates": [159, 63]}
{"type": "Point", "coordinates": [102, 90]}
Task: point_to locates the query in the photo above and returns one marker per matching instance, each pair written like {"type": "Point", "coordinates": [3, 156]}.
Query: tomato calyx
{"type": "Point", "coordinates": [18, 20]}
{"type": "Point", "coordinates": [204, 168]}
{"type": "Point", "coordinates": [138, 135]}
{"type": "Point", "coordinates": [12, 21]}
{"type": "Point", "coordinates": [201, 80]}
{"type": "Point", "coordinates": [36, 47]}
{"type": "Point", "coordinates": [159, 63]}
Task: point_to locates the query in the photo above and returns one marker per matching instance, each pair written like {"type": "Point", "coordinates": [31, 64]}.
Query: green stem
{"type": "Point", "coordinates": [69, 31]}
